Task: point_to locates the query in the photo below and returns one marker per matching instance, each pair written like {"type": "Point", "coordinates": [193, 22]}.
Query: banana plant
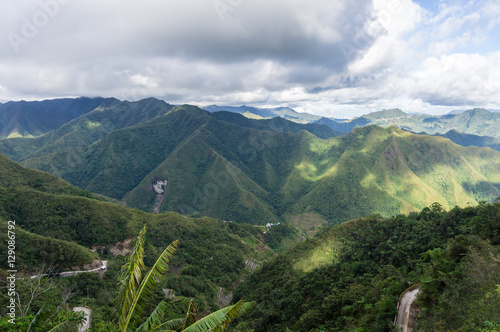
{"type": "Point", "coordinates": [136, 291]}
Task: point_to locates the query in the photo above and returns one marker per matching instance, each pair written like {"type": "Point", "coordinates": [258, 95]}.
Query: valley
{"type": "Point", "coordinates": [322, 229]}
{"type": "Point", "coordinates": [250, 166]}
{"type": "Point", "coordinates": [227, 166]}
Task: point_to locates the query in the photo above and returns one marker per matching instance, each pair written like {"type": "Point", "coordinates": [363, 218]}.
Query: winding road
{"type": "Point", "coordinates": [104, 266]}
{"type": "Point", "coordinates": [88, 313]}
{"type": "Point", "coordinates": [404, 307]}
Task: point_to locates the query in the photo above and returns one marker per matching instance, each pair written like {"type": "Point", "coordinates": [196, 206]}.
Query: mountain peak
{"type": "Point", "coordinates": [385, 114]}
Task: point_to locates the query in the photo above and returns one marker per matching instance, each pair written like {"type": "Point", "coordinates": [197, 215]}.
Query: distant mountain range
{"type": "Point", "coordinates": [472, 140]}
{"type": "Point", "coordinates": [32, 119]}
{"type": "Point", "coordinates": [479, 122]}
{"type": "Point", "coordinates": [228, 166]}
{"type": "Point", "coordinates": [473, 122]}
{"type": "Point", "coordinates": [461, 111]}
{"type": "Point", "coordinates": [266, 113]}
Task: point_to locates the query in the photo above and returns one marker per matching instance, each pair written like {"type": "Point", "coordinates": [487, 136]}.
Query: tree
{"type": "Point", "coordinates": [135, 293]}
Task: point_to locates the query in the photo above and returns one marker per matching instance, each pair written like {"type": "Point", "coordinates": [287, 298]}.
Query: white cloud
{"type": "Point", "coordinates": [328, 57]}
{"type": "Point", "coordinates": [458, 79]}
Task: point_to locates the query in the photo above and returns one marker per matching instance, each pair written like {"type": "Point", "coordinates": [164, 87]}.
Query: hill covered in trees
{"type": "Point", "coordinates": [57, 225]}
{"type": "Point", "coordinates": [227, 166]}
{"type": "Point", "coordinates": [350, 276]}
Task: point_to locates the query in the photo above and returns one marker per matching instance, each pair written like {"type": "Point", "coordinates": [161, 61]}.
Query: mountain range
{"type": "Point", "coordinates": [266, 113]}
{"type": "Point", "coordinates": [225, 165]}
{"type": "Point", "coordinates": [476, 127]}
{"type": "Point", "coordinates": [473, 122]}
{"type": "Point", "coordinates": [387, 194]}
{"type": "Point", "coordinates": [478, 121]}
{"type": "Point", "coordinates": [57, 223]}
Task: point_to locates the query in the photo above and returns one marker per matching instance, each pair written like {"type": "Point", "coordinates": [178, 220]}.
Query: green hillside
{"type": "Point", "coordinates": [473, 122]}
{"type": "Point", "coordinates": [389, 171]}
{"type": "Point", "coordinates": [363, 195]}
{"type": "Point", "coordinates": [56, 224]}
{"type": "Point", "coordinates": [472, 140]}
{"type": "Point", "coordinates": [226, 166]}
{"type": "Point", "coordinates": [15, 177]}
{"type": "Point", "coordinates": [44, 205]}
{"type": "Point", "coordinates": [112, 166]}
{"type": "Point", "coordinates": [35, 249]}
{"type": "Point", "coordinates": [350, 276]}
{"type": "Point", "coordinates": [30, 119]}
{"type": "Point", "coordinates": [87, 129]}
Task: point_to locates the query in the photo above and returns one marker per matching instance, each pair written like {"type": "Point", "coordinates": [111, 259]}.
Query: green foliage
{"type": "Point", "coordinates": [226, 166]}
{"type": "Point", "coordinates": [34, 249]}
{"type": "Point", "coordinates": [136, 293]}
{"type": "Point", "coordinates": [44, 321]}
{"type": "Point", "coordinates": [375, 259]}
{"type": "Point", "coordinates": [52, 226]}
{"type": "Point", "coordinates": [276, 234]}
{"type": "Point", "coordinates": [14, 176]}
{"type": "Point", "coordinates": [70, 218]}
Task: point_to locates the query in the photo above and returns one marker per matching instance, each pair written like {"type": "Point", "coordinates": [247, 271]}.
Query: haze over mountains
{"type": "Point", "coordinates": [226, 165]}
{"type": "Point", "coordinates": [476, 121]}
{"type": "Point", "coordinates": [475, 127]}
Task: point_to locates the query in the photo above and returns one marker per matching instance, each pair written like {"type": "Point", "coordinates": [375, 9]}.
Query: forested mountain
{"type": "Point", "coordinates": [474, 122]}
{"type": "Point", "coordinates": [472, 140]}
{"type": "Point", "coordinates": [227, 166]}
{"type": "Point", "coordinates": [350, 276]}
{"type": "Point", "coordinates": [477, 127]}
{"type": "Point", "coordinates": [30, 119]}
{"type": "Point", "coordinates": [86, 129]}
{"type": "Point", "coordinates": [149, 154]}
{"type": "Point", "coordinates": [266, 113]}
{"type": "Point", "coordinates": [56, 224]}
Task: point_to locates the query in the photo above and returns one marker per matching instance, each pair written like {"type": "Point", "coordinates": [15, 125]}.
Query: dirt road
{"type": "Point", "coordinates": [405, 303]}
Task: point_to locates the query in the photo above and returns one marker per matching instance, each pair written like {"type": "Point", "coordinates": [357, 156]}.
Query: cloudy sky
{"type": "Point", "coordinates": [339, 58]}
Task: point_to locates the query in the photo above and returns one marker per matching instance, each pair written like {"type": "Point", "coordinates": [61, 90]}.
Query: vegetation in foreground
{"type": "Point", "coordinates": [349, 277]}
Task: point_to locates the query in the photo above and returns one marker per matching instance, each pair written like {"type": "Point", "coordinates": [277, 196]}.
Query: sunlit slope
{"type": "Point", "coordinates": [388, 171]}
{"type": "Point", "coordinates": [91, 127]}
{"type": "Point", "coordinates": [350, 276]}
{"type": "Point", "coordinates": [473, 122]}
{"type": "Point", "coordinates": [34, 118]}
{"type": "Point", "coordinates": [259, 171]}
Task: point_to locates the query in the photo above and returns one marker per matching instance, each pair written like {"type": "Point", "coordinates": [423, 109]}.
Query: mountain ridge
{"type": "Point", "coordinates": [221, 169]}
{"type": "Point", "coordinates": [227, 166]}
{"type": "Point", "coordinates": [31, 119]}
